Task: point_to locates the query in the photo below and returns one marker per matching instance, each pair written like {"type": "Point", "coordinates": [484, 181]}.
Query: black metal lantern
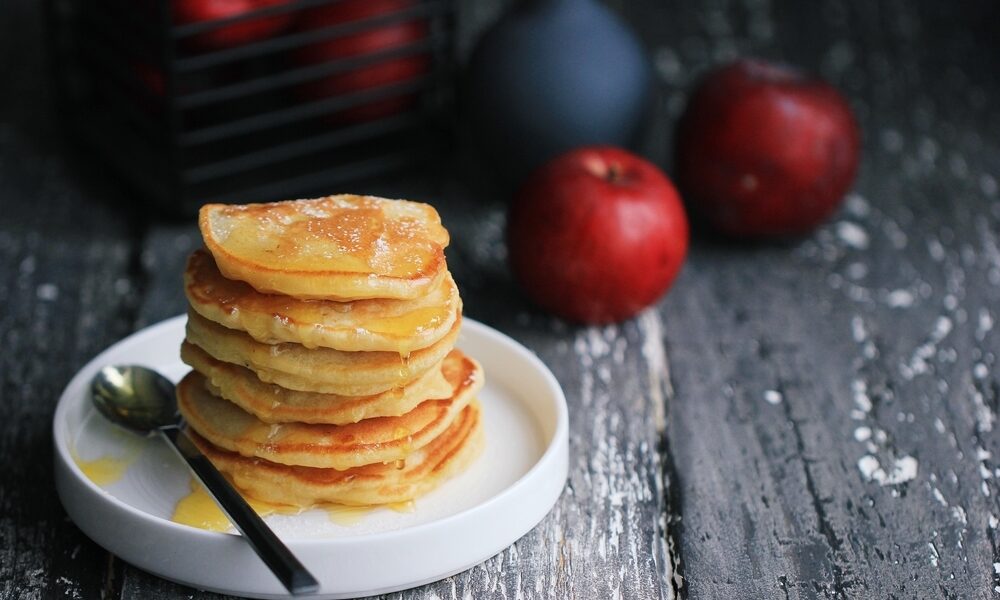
{"type": "Point", "coordinates": [288, 99]}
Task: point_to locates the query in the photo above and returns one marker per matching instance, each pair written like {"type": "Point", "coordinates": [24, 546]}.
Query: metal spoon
{"type": "Point", "coordinates": [142, 400]}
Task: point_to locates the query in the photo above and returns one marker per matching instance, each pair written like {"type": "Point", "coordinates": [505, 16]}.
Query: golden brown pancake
{"type": "Point", "coordinates": [322, 370]}
{"type": "Point", "coordinates": [379, 483]}
{"type": "Point", "coordinates": [335, 248]}
{"type": "Point", "coordinates": [381, 439]}
{"type": "Point", "coordinates": [274, 404]}
{"type": "Point", "coordinates": [362, 325]}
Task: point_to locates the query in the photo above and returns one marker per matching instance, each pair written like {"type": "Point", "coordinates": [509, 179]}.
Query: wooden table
{"type": "Point", "coordinates": [815, 419]}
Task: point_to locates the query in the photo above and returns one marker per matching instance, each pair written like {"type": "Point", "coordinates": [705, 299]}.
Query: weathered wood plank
{"type": "Point", "coordinates": [605, 538]}
{"type": "Point", "coordinates": [66, 289]}
{"type": "Point", "coordinates": [835, 398]}
{"type": "Point", "coordinates": [809, 381]}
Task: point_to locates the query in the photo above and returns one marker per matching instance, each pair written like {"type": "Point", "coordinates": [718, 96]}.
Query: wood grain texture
{"type": "Point", "coordinates": [67, 291]}
{"type": "Point", "coordinates": [61, 306]}
{"type": "Point", "coordinates": [835, 397]}
{"type": "Point", "coordinates": [66, 295]}
{"type": "Point", "coordinates": [808, 420]}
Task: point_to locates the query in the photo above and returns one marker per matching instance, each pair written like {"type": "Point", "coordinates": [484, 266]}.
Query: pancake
{"type": "Point", "coordinates": [380, 483]}
{"type": "Point", "coordinates": [322, 370]}
{"type": "Point", "coordinates": [335, 248]}
{"type": "Point", "coordinates": [380, 439]}
{"type": "Point", "coordinates": [274, 404]}
{"type": "Point", "coordinates": [362, 325]}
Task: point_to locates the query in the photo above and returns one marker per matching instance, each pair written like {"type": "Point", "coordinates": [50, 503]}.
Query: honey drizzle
{"type": "Point", "coordinates": [198, 509]}
{"type": "Point", "coordinates": [410, 323]}
{"type": "Point", "coordinates": [352, 235]}
{"type": "Point", "coordinates": [208, 284]}
{"type": "Point", "coordinates": [105, 470]}
{"type": "Point", "coordinates": [345, 515]}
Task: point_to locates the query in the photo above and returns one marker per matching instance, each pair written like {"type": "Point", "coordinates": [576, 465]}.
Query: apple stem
{"type": "Point", "coordinates": [614, 172]}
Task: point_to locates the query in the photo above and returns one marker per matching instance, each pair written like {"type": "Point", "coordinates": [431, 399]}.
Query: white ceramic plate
{"type": "Point", "coordinates": [468, 519]}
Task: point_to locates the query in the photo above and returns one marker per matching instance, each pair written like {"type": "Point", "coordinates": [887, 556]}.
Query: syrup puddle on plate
{"type": "Point", "coordinates": [199, 510]}
{"type": "Point", "coordinates": [346, 516]}
{"type": "Point", "coordinates": [108, 469]}
{"type": "Point", "coordinates": [103, 471]}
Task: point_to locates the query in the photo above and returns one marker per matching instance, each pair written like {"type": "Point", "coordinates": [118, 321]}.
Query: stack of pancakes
{"type": "Point", "coordinates": [322, 334]}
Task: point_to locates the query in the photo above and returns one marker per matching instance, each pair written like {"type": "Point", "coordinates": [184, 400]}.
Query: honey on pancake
{"type": "Point", "coordinates": [373, 324]}
{"type": "Point", "coordinates": [341, 447]}
{"type": "Point", "coordinates": [342, 247]}
{"type": "Point", "coordinates": [374, 484]}
{"type": "Point", "coordinates": [354, 238]}
{"type": "Point", "coordinates": [411, 323]}
{"type": "Point", "coordinates": [405, 326]}
{"type": "Point", "coordinates": [322, 370]}
{"type": "Point", "coordinates": [273, 404]}
{"type": "Point", "coordinates": [198, 509]}
{"type": "Point", "coordinates": [402, 433]}
{"type": "Point", "coordinates": [274, 306]}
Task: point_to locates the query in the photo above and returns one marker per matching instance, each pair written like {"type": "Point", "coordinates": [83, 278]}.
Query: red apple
{"type": "Point", "coordinates": [371, 40]}
{"type": "Point", "coordinates": [765, 151]}
{"type": "Point", "coordinates": [236, 34]}
{"type": "Point", "coordinates": [596, 235]}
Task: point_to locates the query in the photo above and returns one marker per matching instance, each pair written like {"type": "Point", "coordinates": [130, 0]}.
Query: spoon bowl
{"type": "Point", "coordinates": [134, 397]}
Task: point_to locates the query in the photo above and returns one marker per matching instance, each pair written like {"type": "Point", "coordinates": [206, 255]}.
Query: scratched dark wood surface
{"type": "Point", "coordinates": [808, 420]}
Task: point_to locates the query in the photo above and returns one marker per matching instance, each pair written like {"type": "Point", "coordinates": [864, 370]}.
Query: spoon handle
{"type": "Point", "coordinates": [271, 550]}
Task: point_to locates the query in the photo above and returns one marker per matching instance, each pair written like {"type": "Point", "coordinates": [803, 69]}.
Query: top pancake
{"type": "Point", "coordinates": [337, 248]}
{"type": "Point", "coordinates": [362, 325]}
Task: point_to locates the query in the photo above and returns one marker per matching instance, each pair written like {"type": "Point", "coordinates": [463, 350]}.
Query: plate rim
{"type": "Point", "coordinates": [559, 439]}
